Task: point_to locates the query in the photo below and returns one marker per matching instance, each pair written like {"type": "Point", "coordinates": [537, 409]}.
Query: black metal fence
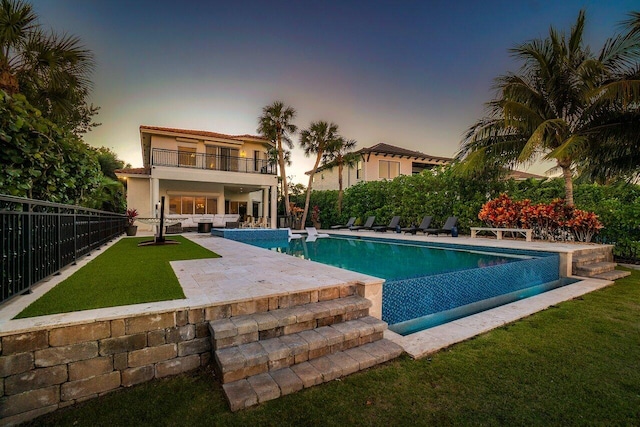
{"type": "Point", "coordinates": [183, 159]}
{"type": "Point", "coordinates": [39, 238]}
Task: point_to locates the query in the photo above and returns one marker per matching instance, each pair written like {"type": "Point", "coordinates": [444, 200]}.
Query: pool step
{"type": "Point", "coordinates": [261, 356]}
{"type": "Point", "coordinates": [242, 361]}
{"type": "Point", "coordinates": [271, 385]}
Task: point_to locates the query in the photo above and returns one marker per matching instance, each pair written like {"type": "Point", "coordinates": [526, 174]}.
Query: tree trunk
{"type": "Point", "coordinates": [340, 191]}
{"type": "Point", "coordinates": [283, 174]}
{"type": "Point", "coordinates": [568, 182]}
{"type": "Point", "coordinates": [306, 201]}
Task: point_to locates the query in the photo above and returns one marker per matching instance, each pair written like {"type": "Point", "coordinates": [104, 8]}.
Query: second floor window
{"type": "Point", "coordinates": [359, 170]}
{"type": "Point", "coordinates": [388, 170]}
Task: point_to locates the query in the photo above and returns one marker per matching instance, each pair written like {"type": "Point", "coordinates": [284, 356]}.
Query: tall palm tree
{"type": "Point", "coordinates": [316, 140]}
{"type": "Point", "coordinates": [272, 159]}
{"type": "Point", "coordinates": [557, 107]}
{"type": "Point", "coordinates": [339, 154]}
{"type": "Point", "coordinates": [51, 70]}
{"type": "Point", "coordinates": [276, 125]}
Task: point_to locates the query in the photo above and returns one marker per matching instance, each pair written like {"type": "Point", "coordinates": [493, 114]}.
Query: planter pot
{"type": "Point", "coordinates": [131, 230]}
{"type": "Point", "coordinates": [316, 225]}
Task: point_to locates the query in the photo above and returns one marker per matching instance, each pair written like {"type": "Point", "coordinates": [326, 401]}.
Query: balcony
{"type": "Point", "coordinates": [181, 159]}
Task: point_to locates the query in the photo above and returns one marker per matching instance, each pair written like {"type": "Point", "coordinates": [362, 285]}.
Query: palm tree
{"type": "Point", "coordinates": [339, 154]}
{"type": "Point", "coordinates": [51, 70]}
{"type": "Point", "coordinates": [275, 125]}
{"type": "Point", "coordinates": [316, 140]}
{"type": "Point", "coordinates": [272, 159]}
{"type": "Point", "coordinates": [558, 107]}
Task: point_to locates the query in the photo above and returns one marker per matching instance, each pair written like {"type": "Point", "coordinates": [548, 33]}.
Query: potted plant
{"type": "Point", "coordinates": [131, 219]}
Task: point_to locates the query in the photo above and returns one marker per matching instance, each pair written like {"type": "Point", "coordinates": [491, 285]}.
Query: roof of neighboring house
{"type": "Point", "coordinates": [132, 171]}
{"type": "Point", "coordinates": [520, 175]}
{"type": "Point", "coordinates": [392, 150]}
{"type": "Point", "coordinates": [201, 133]}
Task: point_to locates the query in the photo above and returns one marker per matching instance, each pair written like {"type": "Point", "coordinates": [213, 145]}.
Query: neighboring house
{"type": "Point", "coordinates": [202, 174]}
{"type": "Point", "coordinates": [382, 161]}
{"type": "Point", "coordinates": [521, 176]}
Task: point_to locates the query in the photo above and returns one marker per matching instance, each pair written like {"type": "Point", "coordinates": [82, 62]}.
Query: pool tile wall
{"type": "Point", "coordinates": [250, 234]}
{"type": "Point", "coordinates": [403, 300]}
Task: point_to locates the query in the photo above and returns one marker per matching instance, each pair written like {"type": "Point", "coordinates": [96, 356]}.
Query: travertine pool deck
{"type": "Point", "coordinates": [245, 272]}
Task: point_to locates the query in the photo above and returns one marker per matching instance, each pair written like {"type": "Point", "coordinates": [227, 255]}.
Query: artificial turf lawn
{"type": "Point", "coordinates": [124, 274]}
{"type": "Point", "coordinates": [576, 363]}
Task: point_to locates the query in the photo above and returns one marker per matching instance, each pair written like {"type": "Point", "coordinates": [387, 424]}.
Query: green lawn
{"type": "Point", "coordinates": [124, 274]}
{"type": "Point", "coordinates": [577, 363]}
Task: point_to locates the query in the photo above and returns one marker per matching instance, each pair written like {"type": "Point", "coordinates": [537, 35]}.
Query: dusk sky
{"type": "Point", "coordinates": [412, 74]}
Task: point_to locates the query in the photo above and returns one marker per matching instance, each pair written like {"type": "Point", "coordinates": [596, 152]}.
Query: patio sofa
{"type": "Point", "coordinates": [217, 220]}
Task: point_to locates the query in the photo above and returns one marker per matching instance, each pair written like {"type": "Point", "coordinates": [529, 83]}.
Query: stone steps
{"type": "Point", "coordinates": [612, 275]}
{"type": "Point", "coordinates": [271, 385]}
{"type": "Point", "coordinates": [593, 269]}
{"type": "Point", "coordinates": [242, 361]}
{"type": "Point", "coordinates": [249, 328]}
{"type": "Point", "coordinates": [588, 258]}
{"type": "Point", "coordinates": [261, 356]}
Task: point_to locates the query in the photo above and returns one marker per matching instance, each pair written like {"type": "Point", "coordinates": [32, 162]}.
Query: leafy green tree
{"type": "Point", "coordinates": [39, 160]}
{"type": "Point", "coordinates": [276, 125]}
{"type": "Point", "coordinates": [339, 155]}
{"type": "Point", "coordinates": [53, 71]}
{"type": "Point", "coordinates": [109, 162]}
{"type": "Point", "coordinates": [315, 140]}
{"type": "Point", "coordinates": [562, 106]}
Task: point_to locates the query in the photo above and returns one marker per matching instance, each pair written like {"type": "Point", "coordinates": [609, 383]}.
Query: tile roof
{"type": "Point", "coordinates": [201, 133]}
{"type": "Point", "coordinates": [392, 150]}
{"type": "Point", "coordinates": [133, 171]}
{"type": "Point", "coordinates": [520, 175]}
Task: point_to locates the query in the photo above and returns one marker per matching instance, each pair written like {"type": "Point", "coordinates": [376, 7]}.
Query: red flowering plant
{"type": "Point", "coordinates": [131, 214]}
{"type": "Point", "coordinates": [501, 212]}
{"type": "Point", "coordinates": [553, 221]}
{"type": "Point", "coordinates": [584, 225]}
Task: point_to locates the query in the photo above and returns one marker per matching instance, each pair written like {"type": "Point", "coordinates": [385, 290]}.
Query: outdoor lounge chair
{"type": "Point", "coordinates": [446, 228]}
{"type": "Point", "coordinates": [349, 224]}
{"type": "Point", "coordinates": [293, 236]}
{"type": "Point", "coordinates": [367, 225]}
{"type": "Point", "coordinates": [395, 221]}
{"type": "Point", "coordinates": [424, 225]}
{"type": "Point", "coordinates": [312, 232]}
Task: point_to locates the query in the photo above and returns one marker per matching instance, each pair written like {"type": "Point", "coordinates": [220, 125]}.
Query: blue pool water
{"type": "Point", "coordinates": [426, 286]}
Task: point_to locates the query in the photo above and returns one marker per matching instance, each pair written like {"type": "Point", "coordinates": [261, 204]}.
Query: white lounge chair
{"type": "Point", "coordinates": [311, 231]}
{"type": "Point", "coordinates": [293, 236]}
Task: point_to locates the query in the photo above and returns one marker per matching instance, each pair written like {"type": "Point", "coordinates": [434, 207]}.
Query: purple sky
{"type": "Point", "coordinates": [412, 74]}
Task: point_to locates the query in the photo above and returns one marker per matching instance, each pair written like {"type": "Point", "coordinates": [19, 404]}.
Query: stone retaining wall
{"type": "Point", "coordinates": [43, 370]}
{"type": "Point", "coordinates": [48, 368]}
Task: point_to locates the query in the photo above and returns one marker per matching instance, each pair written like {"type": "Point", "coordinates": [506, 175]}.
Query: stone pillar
{"type": "Point", "coordinates": [265, 202]}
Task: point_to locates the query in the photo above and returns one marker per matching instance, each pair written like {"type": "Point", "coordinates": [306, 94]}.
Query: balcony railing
{"type": "Point", "coordinates": [40, 238]}
{"type": "Point", "coordinates": [182, 159]}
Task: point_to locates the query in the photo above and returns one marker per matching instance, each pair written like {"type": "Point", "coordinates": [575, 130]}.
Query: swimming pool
{"type": "Point", "coordinates": [429, 284]}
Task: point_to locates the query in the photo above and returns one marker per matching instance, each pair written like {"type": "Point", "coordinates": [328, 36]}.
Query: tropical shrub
{"type": "Point", "coordinates": [549, 221]}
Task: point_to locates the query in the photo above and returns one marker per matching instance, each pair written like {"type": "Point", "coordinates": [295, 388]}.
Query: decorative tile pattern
{"type": "Point", "coordinates": [412, 298]}
{"type": "Point", "coordinates": [250, 234]}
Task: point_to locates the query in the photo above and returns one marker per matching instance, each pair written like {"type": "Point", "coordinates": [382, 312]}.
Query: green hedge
{"type": "Point", "coordinates": [443, 193]}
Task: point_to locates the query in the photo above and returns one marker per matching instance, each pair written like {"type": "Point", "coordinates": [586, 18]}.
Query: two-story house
{"type": "Point", "coordinates": [202, 173]}
{"type": "Point", "coordinates": [381, 161]}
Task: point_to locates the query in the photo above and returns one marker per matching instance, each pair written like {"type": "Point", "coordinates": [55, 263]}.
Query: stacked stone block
{"type": "Point", "coordinates": [46, 369]}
